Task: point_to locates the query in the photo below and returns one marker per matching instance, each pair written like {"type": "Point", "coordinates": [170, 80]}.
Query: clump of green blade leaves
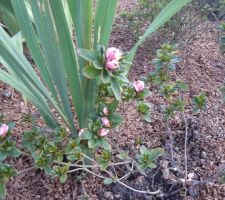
{"type": "Point", "coordinates": [53, 51]}
{"type": "Point", "coordinates": [46, 27]}
{"type": "Point", "coordinates": [22, 76]}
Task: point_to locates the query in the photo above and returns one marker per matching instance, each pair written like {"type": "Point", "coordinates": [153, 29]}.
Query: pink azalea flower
{"type": "Point", "coordinates": [139, 86]}
{"type": "Point", "coordinates": [3, 130]}
{"type": "Point", "coordinates": [113, 53]}
{"type": "Point", "coordinates": [103, 132]}
{"type": "Point", "coordinates": [112, 65]}
{"type": "Point", "coordinates": [105, 111]}
{"type": "Point", "coordinates": [105, 122]}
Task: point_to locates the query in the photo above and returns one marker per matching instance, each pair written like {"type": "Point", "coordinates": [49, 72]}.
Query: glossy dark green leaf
{"type": "Point", "coordinates": [87, 54]}
{"type": "Point", "coordinates": [116, 88]}
{"type": "Point", "coordinates": [91, 72]}
{"type": "Point", "coordinates": [105, 77]}
{"type": "Point", "coordinates": [115, 119]}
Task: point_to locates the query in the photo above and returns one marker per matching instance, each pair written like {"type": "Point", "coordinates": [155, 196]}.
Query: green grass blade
{"type": "Point", "coordinates": [169, 11]}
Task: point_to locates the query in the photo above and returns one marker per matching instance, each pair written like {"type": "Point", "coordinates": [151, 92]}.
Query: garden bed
{"type": "Point", "coordinates": [203, 68]}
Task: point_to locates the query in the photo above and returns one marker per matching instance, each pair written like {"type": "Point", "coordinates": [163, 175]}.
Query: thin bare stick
{"type": "Point", "coordinates": [25, 170]}
{"type": "Point", "coordinates": [185, 145]}
{"type": "Point", "coordinates": [125, 176]}
{"type": "Point", "coordinates": [87, 170]}
{"type": "Point", "coordinates": [117, 181]}
{"type": "Point", "coordinates": [171, 140]}
{"type": "Point", "coordinates": [139, 191]}
{"type": "Point", "coordinates": [90, 166]}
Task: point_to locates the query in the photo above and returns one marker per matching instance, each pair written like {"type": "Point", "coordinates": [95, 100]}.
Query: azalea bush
{"type": "Point", "coordinates": [58, 155]}
{"type": "Point", "coordinates": [74, 69]}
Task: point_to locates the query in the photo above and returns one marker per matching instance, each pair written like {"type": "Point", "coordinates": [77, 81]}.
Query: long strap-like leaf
{"type": "Point", "coordinates": [105, 12]}
{"type": "Point", "coordinates": [81, 12]}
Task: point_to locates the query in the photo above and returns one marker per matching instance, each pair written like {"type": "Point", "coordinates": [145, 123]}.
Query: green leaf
{"type": "Point", "coordinates": [11, 125]}
{"type": "Point", "coordinates": [123, 78]}
{"type": "Point", "coordinates": [155, 153]}
{"type": "Point", "coordinates": [98, 65]}
{"type": "Point", "coordinates": [69, 55]}
{"type": "Point", "coordinates": [104, 165]}
{"type": "Point", "coordinates": [63, 178]}
{"type": "Point", "coordinates": [115, 119]}
{"type": "Point", "coordinates": [122, 155]}
{"type": "Point", "coordinates": [112, 106]}
{"type": "Point", "coordinates": [104, 15]}
{"type": "Point", "coordinates": [2, 190]}
{"type": "Point", "coordinates": [14, 152]}
{"type": "Point", "coordinates": [199, 102]}
{"type": "Point", "coordinates": [147, 117]}
{"type": "Point", "coordinates": [91, 72]}
{"type": "Point", "coordinates": [144, 150]}
{"type": "Point", "coordinates": [92, 143]}
{"type": "Point", "coordinates": [3, 156]}
{"type": "Point", "coordinates": [106, 145]}
{"type": "Point", "coordinates": [82, 15]}
{"type": "Point", "coordinates": [23, 78]}
{"type": "Point", "coordinates": [108, 181]}
{"type": "Point", "coordinates": [141, 166]}
{"type": "Point", "coordinates": [86, 135]}
{"type": "Point", "coordinates": [116, 89]}
{"type": "Point", "coordinates": [49, 25]}
{"type": "Point", "coordinates": [152, 165]}
{"type": "Point", "coordinates": [89, 55]}
{"type": "Point", "coordinates": [7, 15]}
{"type": "Point", "coordinates": [18, 41]}
{"type": "Point", "coordinates": [105, 77]}
{"type": "Point", "coordinates": [48, 170]}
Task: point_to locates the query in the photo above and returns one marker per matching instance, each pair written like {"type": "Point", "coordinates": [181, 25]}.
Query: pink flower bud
{"type": "Point", "coordinates": [80, 132]}
{"type": "Point", "coordinates": [113, 54]}
{"type": "Point", "coordinates": [3, 130]}
{"type": "Point", "coordinates": [139, 86]}
{"type": "Point", "coordinates": [105, 111]}
{"type": "Point", "coordinates": [112, 65]}
{"type": "Point", "coordinates": [103, 132]}
{"type": "Point", "coordinates": [105, 122]}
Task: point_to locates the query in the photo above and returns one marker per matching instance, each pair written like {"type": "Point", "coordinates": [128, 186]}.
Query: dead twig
{"type": "Point", "coordinates": [185, 146]}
